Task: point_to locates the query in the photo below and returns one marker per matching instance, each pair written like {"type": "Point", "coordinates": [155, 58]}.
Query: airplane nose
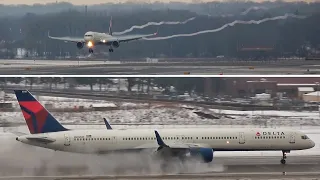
{"type": "Point", "coordinates": [312, 144]}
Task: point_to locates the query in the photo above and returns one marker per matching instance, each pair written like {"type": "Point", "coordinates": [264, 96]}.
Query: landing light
{"type": "Point", "coordinates": [90, 44]}
{"type": "Point", "coordinates": [103, 41]}
{"type": "Point", "coordinates": [227, 142]}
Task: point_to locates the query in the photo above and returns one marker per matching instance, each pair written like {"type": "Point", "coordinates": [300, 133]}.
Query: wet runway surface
{"type": "Point", "coordinates": [297, 167]}
{"type": "Point", "coordinates": [195, 68]}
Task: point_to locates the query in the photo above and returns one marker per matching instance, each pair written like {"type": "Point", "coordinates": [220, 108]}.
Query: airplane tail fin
{"type": "Point", "coordinates": [110, 26]}
{"type": "Point", "coordinates": [38, 119]}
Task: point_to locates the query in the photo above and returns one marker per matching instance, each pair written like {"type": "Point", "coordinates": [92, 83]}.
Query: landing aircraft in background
{"type": "Point", "coordinates": [47, 132]}
{"type": "Point", "coordinates": [91, 39]}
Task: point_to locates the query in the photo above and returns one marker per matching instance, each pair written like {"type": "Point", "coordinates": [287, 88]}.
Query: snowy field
{"type": "Point", "coordinates": [162, 114]}
{"type": "Point", "coordinates": [62, 102]}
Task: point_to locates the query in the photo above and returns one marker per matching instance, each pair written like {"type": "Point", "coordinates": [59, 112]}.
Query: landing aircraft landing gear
{"type": "Point", "coordinates": [284, 157]}
{"type": "Point", "coordinates": [90, 50]}
{"type": "Point", "coordinates": [110, 50]}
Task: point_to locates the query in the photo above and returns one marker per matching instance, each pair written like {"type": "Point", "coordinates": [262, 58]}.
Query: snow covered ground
{"type": "Point", "coordinates": [163, 115]}
{"type": "Point", "coordinates": [159, 114]}
{"type": "Point", "coordinates": [63, 102]}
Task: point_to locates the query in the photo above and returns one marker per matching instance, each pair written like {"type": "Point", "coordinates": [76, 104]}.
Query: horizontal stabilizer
{"type": "Point", "coordinates": [17, 133]}
{"type": "Point", "coordinates": [45, 140]}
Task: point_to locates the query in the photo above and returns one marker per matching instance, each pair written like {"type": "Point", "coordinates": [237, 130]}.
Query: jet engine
{"type": "Point", "coordinates": [205, 153]}
{"type": "Point", "coordinates": [80, 45]}
{"type": "Point", "coordinates": [115, 44]}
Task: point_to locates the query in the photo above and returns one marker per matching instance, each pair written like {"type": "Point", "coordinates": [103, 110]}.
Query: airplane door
{"type": "Point", "coordinates": [114, 139]}
{"type": "Point", "coordinates": [292, 138]}
{"type": "Point", "coordinates": [66, 140]}
{"type": "Point", "coordinates": [241, 138]}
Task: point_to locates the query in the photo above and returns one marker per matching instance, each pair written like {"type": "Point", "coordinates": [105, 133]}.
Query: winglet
{"type": "Point", "coordinates": [107, 124]}
{"type": "Point", "coordinates": [159, 139]}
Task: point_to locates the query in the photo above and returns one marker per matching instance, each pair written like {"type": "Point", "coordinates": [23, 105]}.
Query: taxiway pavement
{"type": "Point", "coordinates": [54, 67]}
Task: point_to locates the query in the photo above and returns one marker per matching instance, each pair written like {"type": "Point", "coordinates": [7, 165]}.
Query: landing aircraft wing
{"type": "Point", "coordinates": [68, 39]}
{"type": "Point", "coordinates": [127, 38]}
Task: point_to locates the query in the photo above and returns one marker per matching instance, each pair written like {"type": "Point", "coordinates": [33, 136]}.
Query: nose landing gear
{"type": "Point", "coordinates": [91, 50]}
{"type": "Point", "coordinates": [284, 157]}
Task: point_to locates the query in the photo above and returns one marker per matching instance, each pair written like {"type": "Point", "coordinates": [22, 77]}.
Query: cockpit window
{"type": "Point", "coordinates": [88, 35]}
{"type": "Point", "coordinates": [304, 137]}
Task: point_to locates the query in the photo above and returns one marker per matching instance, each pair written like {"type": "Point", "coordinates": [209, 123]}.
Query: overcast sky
{"type": "Point", "coordinates": [103, 1]}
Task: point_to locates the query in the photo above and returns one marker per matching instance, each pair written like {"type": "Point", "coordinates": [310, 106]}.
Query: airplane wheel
{"type": "Point", "coordinates": [110, 50]}
{"type": "Point", "coordinates": [283, 161]}
{"type": "Point", "coordinates": [90, 50]}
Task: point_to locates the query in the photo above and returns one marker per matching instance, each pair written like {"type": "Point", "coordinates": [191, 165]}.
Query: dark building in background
{"type": "Point", "coordinates": [249, 86]}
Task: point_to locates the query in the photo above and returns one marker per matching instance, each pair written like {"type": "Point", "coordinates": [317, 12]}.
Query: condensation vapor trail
{"type": "Point", "coordinates": [253, 8]}
{"type": "Point", "coordinates": [153, 24]}
{"type": "Point", "coordinates": [246, 11]}
{"type": "Point", "coordinates": [226, 25]}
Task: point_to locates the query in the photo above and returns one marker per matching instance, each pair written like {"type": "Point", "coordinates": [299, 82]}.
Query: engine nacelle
{"type": "Point", "coordinates": [205, 153]}
{"type": "Point", "coordinates": [116, 44]}
{"type": "Point", "coordinates": [80, 45]}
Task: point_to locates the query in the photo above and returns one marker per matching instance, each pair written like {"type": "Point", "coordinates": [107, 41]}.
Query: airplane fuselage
{"type": "Point", "coordinates": [97, 38]}
{"type": "Point", "coordinates": [223, 139]}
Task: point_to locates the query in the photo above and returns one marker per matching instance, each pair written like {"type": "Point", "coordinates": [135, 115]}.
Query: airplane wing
{"type": "Point", "coordinates": [172, 146]}
{"type": "Point", "coordinates": [17, 133]}
{"type": "Point", "coordinates": [68, 39]}
{"type": "Point", "coordinates": [127, 38]}
{"type": "Point", "coordinates": [45, 140]}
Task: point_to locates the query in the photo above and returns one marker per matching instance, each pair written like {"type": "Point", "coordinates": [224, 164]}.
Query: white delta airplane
{"type": "Point", "coordinates": [91, 39]}
{"type": "Point", "coordinates": [47, 132]}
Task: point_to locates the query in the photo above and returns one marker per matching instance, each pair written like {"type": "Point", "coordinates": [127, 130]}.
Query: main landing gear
{"type": "Point", "coordinates": [110, 50]}
{"type": "Point", "coordinates": [91, 50]}
{"type": "Point", "coordinates": [284, 157]}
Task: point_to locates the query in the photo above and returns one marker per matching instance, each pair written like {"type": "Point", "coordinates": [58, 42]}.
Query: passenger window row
{"type": "Point", "coordinates": [141, 138]}
{"type": "Point", "coordinates": [270, 137]}
{"type": "Point", "coordinates": [92, 139]}
{"type": "Point", "coordinates": [150, 138]}
{"type": "Point", "coordinates": [219, 137]}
